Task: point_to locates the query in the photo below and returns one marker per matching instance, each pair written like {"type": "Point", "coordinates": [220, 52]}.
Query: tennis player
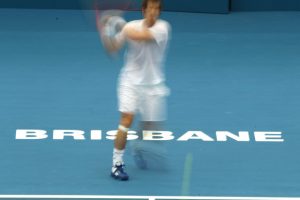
{"type": "Point", "coordinates": [141, 88]}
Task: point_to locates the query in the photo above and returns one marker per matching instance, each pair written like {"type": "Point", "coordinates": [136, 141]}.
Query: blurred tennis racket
{"type": "Point", "coordinates": [109, 23]}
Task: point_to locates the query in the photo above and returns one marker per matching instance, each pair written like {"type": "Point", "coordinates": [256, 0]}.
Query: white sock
{"type": "Point", "coordinates": [118, 156]}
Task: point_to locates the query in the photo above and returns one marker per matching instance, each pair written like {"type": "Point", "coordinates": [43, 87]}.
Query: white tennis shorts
{"type": "Point", "coordinates": [148, 101]}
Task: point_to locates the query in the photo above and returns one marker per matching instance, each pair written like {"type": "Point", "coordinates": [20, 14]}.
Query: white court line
{"type": "Point", "coordinates": [141, 197]}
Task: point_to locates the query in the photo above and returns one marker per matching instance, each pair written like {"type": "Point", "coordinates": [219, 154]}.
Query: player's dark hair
{"type": "Point", "coordinates": [145, 3]}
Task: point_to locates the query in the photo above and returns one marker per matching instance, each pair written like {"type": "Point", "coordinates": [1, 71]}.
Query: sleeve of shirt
{"type": "Point", "coordinates": [160, 32]}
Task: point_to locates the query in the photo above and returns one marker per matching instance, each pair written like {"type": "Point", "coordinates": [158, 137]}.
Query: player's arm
{"type": "Point", "coordinates": [140, 35]}
{"type": "Point", "coordinates": [112, 45]}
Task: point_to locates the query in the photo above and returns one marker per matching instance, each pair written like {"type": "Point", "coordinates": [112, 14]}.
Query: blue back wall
{"type": "Point", "coordinates": [265, 5]}
{"type": "Point", "coordinates": [206, 6]}
{"type": "Point", "coordinates": [203, 6]}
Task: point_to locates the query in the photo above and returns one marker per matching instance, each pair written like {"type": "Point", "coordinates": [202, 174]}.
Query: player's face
{"type": "Point", "coordinates": [151, 13]}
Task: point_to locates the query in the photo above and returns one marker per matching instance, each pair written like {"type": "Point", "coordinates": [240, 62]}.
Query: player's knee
{"type": "Point", "coordinates": [123, 129]}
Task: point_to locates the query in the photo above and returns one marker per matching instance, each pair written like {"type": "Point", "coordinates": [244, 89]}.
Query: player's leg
{"type": "Point", "coordinates": [141, 148]}
{"type": "Point", "coordinates": [153, 116]}
{"type": "Point", "coordinates": [127, 106]}
{"type": "Point", "coordinates": [125, 124]}
{"type": "Point", "coordinates": [118, 171]}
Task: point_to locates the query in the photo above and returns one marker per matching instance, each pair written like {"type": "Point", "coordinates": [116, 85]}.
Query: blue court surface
{"type": "Point", "coordinates": [238, 72]}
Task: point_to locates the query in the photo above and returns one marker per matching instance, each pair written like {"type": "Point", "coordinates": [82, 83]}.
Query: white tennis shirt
{"type": "Point", "coordinates": [144, 60]}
